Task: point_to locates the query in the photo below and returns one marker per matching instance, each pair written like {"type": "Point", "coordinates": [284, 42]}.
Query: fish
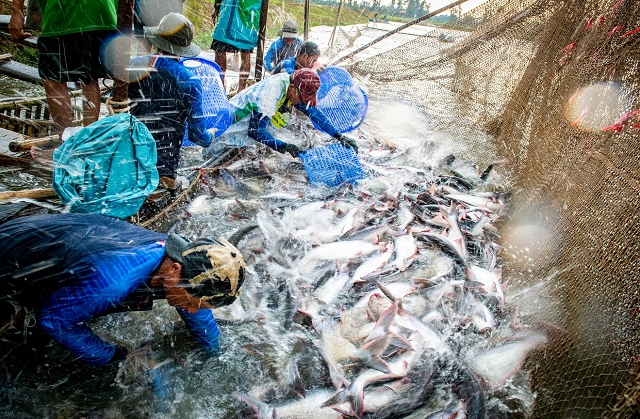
{"type": "Point", "coordinates": [406, 250]}
{"type": "Point", "coordinates": [372, 264]}
{"type": "Point", "coordinates": [342, 250]}
{"type": "Point", "coordinates": [309, 406]}
{"type": "Point", "coordinates": [498, 364]}
{"type": "Point", "coordinates": [445, 243]}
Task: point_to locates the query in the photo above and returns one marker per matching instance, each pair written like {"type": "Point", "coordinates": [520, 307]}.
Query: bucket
{"type": "Point", "coordinates": [215, 104]}
{"type": "Point", "coordinates": [332, 165]}
{"type": "Point", "coordinates": [341, 100]}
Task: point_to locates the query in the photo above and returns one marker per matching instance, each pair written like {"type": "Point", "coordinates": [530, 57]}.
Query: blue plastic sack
{"type": "Point", "coordinates": [218, 113]}
{"type": "Point", "coordinates": [108, 167]}
{"type": "Point", "coordinates": [341, 100]}
{"type": "Point", "coordinates": [332, 165]}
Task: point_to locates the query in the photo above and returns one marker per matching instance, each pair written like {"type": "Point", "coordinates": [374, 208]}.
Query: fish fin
{"type": "Point", "coordinates": [262, 409]}
{"type": "Point", "coordinates": [338, 398]}
{"type": "Point", "coordinates": [386, 292]}
{"type": "Point", "coordinates": [371, 354]}
{"type": "Point", "coordinates": [357, 404]}
{"type": "Point", "coordinates": [297, 384]}
{"type": "Point", "coordinates": [400, 342]}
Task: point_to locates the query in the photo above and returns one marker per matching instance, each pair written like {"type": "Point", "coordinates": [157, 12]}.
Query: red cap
{"type": "Point", "coordinates": [308, 82]}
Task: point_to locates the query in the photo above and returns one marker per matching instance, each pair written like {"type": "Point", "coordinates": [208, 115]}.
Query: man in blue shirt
{"type": "Point", "coordinates": [286, 46]}
{"type": "Point", "coordinates": [166, 96]}
{"type": "Point", "coordinates": [71, 268]}
{"type": "Point", "coordinates": [307, 57]}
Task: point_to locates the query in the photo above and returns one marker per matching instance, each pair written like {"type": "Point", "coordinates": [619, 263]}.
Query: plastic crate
{"type": "Point", "coordinates": [215, 105]}
{"type": "Point", "coordinates": [332, 165]}
{"type": "Point", "coordinates": [341, 100]}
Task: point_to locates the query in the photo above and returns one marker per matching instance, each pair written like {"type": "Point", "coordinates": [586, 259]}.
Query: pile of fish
{"type": "Point", "coordinates": [381, 299]}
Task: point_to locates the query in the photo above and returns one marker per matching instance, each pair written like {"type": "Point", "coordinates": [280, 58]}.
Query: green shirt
{"type": "Point", "coordinates": [63, 17]}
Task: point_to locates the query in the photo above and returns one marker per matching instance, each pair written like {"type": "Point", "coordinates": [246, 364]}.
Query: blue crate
{"type": "Point", "coordinates": [216, 108]}
{"type": "Point", "coordinates": [341, 100]}
{"type": "Point", "coordinates": [332, 165]}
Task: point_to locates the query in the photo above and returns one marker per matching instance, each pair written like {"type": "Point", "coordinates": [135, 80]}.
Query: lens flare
{"type": "Point", "coordinates": [598, 105]}
{"type": "Point", "coordinates": [117, 53]}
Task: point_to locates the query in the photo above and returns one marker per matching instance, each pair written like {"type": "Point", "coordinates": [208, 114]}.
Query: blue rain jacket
{"type": "Point", "coordinates": [167, 98]}
{"type": "Point", "coordinates": [238, 23]}
{"type": "Point", "coordinates": [286, 66]}
{"type": "Point", "coordinates": [72, 268]}
{"type": "Point", "coordinates": [108, 167]}
{"type": "Point", "coordinates": [279, 50]}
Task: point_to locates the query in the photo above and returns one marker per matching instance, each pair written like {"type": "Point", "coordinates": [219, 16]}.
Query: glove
{"type": "Point", "coordinates": [119, 355]}
{"type": "Point", "coordinates": [291, 149]}
{"type": "Point", "coordinates": [347, 142]}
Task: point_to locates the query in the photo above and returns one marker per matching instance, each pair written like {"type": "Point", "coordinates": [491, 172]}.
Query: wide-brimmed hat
{"type": "Point", "coordinates": [308, 83]}
{"type": "Point", "coordinates": [174, 34]}
{"type": "Point", "coordinates": [289, 29]}
{"type": "Point", "coordinates": [214, 269]}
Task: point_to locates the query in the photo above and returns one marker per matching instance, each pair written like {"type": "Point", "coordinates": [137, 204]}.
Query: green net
{"type": "Point", "coordinates": [551, 87]}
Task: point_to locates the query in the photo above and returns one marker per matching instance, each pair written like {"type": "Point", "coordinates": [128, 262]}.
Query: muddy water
{"type": "Point", "coordinates": [170, 376]}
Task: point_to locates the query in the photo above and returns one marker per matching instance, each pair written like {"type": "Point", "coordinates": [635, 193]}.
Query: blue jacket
{"type": "Point", "coordinates": [167, 100]}
{"type": "Point", "coordinates": [71, 268]}
{"type": "Point", "coordinates": [287, 65]}
{"type": "Point", "coordinates": [279, 50]}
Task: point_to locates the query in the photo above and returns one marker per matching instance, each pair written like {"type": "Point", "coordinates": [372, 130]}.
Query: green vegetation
{"type": "Point", "coordinates": [199, 12]}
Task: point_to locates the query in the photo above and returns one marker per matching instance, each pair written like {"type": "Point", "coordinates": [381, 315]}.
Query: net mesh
{"type": "Point", "coordinates": [551, 88]}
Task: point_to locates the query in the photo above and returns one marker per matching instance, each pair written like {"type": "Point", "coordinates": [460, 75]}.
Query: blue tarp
{"type": "Point", "coordinates": [108, 167]}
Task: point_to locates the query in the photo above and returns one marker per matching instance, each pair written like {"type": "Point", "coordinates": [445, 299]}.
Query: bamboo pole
{"type": "Point", "coordinates": [29, 193]}
{"type": "Point", "coordinates": [335, 26]}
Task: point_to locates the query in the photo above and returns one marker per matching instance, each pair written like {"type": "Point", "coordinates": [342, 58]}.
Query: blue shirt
{"type": "Point", "coordinates": [287, 65]}
{"type": "Point", "coordinates": [279, 50]}
{"type": "Point", "coordinates": [167, 98]}
{"type": "Point", "coordinates": [75, 267]}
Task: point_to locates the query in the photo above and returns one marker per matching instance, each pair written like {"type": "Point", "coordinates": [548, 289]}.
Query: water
{"type": "Point", "coordinates": [267, 350]}
{"type": "Point", "coordinates": [12, 89]}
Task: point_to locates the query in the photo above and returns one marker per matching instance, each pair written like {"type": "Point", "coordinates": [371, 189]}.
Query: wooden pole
{"type": "Point", "coordinates": [29, 193]}
{"type": "Point", "coordinates": [121, 61]}
{"type": "Point", "coordinates": [306, 19]}
{"type": "Point", "coordinates": [262, 31]}
{"type": "Point", "coordinates": [27, 143]}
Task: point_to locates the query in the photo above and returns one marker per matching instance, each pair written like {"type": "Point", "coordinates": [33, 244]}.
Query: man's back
{"type": "Point", "coordinates": [38, 251]}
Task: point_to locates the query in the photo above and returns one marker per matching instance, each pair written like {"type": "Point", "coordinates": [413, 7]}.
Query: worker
{"type": "Point", "coordinates": [236, 31]}
{"type": "Point", "coordinates": [168, 100]}
{"type": "Point", "coordinates": [70, 49]}
{"type": "Point", "coordinates": [286, 46]}
{"type": "Point", "coordinates": [63, 270]}
{"type": "Point", "coordinates": [266, 106]}
{"type": "Point", "coordinates": [307, 57]}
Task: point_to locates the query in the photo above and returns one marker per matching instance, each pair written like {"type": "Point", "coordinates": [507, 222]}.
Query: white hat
{"type": "Point", "coordinates": [289, 29]}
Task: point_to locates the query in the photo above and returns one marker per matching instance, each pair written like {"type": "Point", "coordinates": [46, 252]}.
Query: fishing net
{"type": "Point", "coordinates": [553, 86]}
